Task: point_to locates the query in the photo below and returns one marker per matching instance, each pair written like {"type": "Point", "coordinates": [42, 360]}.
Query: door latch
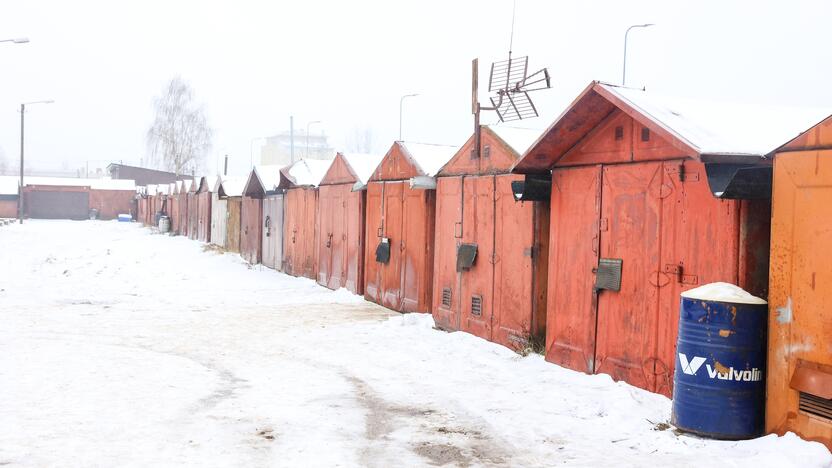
{"type": "Point", "coordinates": [678, 270]}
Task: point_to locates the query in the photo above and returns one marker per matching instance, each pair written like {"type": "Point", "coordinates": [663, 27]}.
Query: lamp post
{"type": "Point", "coordinates": [20, 193]}
{"type": "Point", "coordinates": [16, 40]}
{"type": "Point", "coordinates": [624, 71]}
{"type": "Point", "coordinates": [401, 101]}
{"type": "Point", "coordinates": [307, 135]}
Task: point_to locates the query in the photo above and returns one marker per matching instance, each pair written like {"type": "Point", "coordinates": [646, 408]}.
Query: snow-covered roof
{"type": "Point", "coordinates": [363, 164]}
{"type": "Point", "coordinates": [8, 185]}
{"type": "Point", "coordinates": [309, 172]}
{"type": "Point", "coordinates": [233, 186]}
{"type": "Point", "coordinates": [722, 128]}
{"type": "Point", "coordinates": [429, 157]}
{"type": "Point", "coordinates": [519, 139]}
{"type": "Point", "coordinates": [269, 175]}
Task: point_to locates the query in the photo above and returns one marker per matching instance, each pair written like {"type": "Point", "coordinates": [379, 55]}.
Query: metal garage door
{"type": "Point", "coordinates": [58, 205]}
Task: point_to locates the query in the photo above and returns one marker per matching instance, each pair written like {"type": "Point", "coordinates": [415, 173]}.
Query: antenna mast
{"type": "Point", "coordinates": [510, 82]}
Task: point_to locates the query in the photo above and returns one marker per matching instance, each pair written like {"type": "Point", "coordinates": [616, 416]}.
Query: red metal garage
{"type": "Point", "coordinates": [203, 230]}
{"type": "Point", "coordinates": [184, 217]}
{"type": "Point", "coordinates": [634, 223]}
{"type": "Point", "coordinates": [263, 186]}
{"type": "Point", "coordinates": [251, 215]}
{"type": "Point", "coordinates": [300, 221]}
{"type": "Point", "coordinates": [8, 196]}
{"type": "Point", "coordinates": [175, 215]}
{"type": "Point", "coordinates": [400, 226]}
{"type": "Point", "coordinates": [193, 210]}
{"type": "Point", "coordinates": [491, 251]}
{"type": "Point", "coordinates": [70, 198]}
{"type": "Point", "coordinates": [230, 194]}
{"type": "Point", "coordinates": [341, 219]}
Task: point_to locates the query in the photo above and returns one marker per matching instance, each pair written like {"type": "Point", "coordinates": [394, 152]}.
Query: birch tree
{"type": "Point", "coordinates": [180, 135]}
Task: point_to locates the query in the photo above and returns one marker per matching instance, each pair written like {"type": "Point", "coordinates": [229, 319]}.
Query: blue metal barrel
{"type": "Point", "coordinates": [719, 382]}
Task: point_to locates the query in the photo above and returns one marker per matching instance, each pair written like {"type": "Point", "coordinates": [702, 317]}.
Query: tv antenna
{"type": "Point", "coordinates": [509, 84]}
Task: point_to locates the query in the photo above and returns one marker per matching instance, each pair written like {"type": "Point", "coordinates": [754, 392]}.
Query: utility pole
{"type": "Point", "coordinates": [20, 197]}
{"type": "Point", "coordinates": [20, 190]}
{"type": "Point", "coordinates": [225, 168]}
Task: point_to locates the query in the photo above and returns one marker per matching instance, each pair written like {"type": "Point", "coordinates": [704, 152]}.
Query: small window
{"type": "Point", "coordinates": [473, 153]}
{"type": "Point", "coordinates": [486, 151]}
{"type": "Point", "coordinates": [619, 133]}
{"type": "Point", "coordinates": [645, 134]}
{"type": "Point", "coordinates": [476, 306]}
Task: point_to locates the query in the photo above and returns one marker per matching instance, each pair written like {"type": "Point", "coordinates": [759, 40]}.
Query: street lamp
{"type": "Point", "coordinates": [401, 101]}
{"type": "Point", "coordinates": [624, 71]}
{"type": "Point", "coordinates": [307, 135]}
{"type": "Point", "coordinates": [16, 40]}
{"type": "Point", "coordinates": [20, 194]}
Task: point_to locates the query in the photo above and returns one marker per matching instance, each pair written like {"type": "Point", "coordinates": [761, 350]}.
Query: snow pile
{"type": "Point", "coordinates": [430, 158]}
{"type": "Point", "coordinates": [722, 292]}
{"type": "Point", "coordinates": [724, 128]}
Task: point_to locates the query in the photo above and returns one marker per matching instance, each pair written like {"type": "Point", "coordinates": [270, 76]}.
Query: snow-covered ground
{"type": "Point", "coordinates": [122, 347]}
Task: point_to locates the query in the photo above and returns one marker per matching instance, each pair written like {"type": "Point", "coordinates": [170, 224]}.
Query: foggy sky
{"type": "Point", "coordinates": [346, 63]}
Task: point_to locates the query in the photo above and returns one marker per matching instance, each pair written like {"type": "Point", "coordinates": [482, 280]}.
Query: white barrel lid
{"type": "Point", "coordinates": [723, 292]}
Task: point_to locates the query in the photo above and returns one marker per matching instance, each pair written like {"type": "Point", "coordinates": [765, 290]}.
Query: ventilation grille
{"type": "Point", "coordinates": [619, 133]}
{"type": "Point", "coordinates": [476, 306]}
{"type": "Point", "coordinates": [815, 405]}
{"type": "Point", "coordinates": [645, 134]}
{"type": "Point", "coordinates": [446, 297]}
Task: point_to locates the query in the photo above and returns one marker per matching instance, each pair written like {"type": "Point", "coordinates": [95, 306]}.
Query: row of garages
{"type": "Point", "coordinates": [580, 237]}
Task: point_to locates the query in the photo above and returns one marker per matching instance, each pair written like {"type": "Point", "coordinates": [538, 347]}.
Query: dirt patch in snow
{"type": "Point", "coordinates": [441, 454]}
{"type": "Point", "coordinates": [458, 445]}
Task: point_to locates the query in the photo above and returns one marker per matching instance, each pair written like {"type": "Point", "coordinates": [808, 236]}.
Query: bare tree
{"type": "Point", "coordinates": [361, 140]}
{"type": "Point", "coordinates": [180, 135]}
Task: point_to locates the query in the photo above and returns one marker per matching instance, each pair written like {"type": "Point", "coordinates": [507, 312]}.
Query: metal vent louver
{"type": "Point", "coordinates": [815, 405]}
{"type": "Point", "coordinates": [446, 297]}
{"type": "Point", "coordinates": [476, 306]}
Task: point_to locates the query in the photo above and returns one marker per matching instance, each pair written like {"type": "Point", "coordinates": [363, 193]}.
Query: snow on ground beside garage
{"type": "Point", "coordinates": [120, 346]}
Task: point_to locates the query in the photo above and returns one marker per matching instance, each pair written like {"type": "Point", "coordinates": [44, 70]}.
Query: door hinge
{"type": "Point", "coordinates": [684, 175]}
